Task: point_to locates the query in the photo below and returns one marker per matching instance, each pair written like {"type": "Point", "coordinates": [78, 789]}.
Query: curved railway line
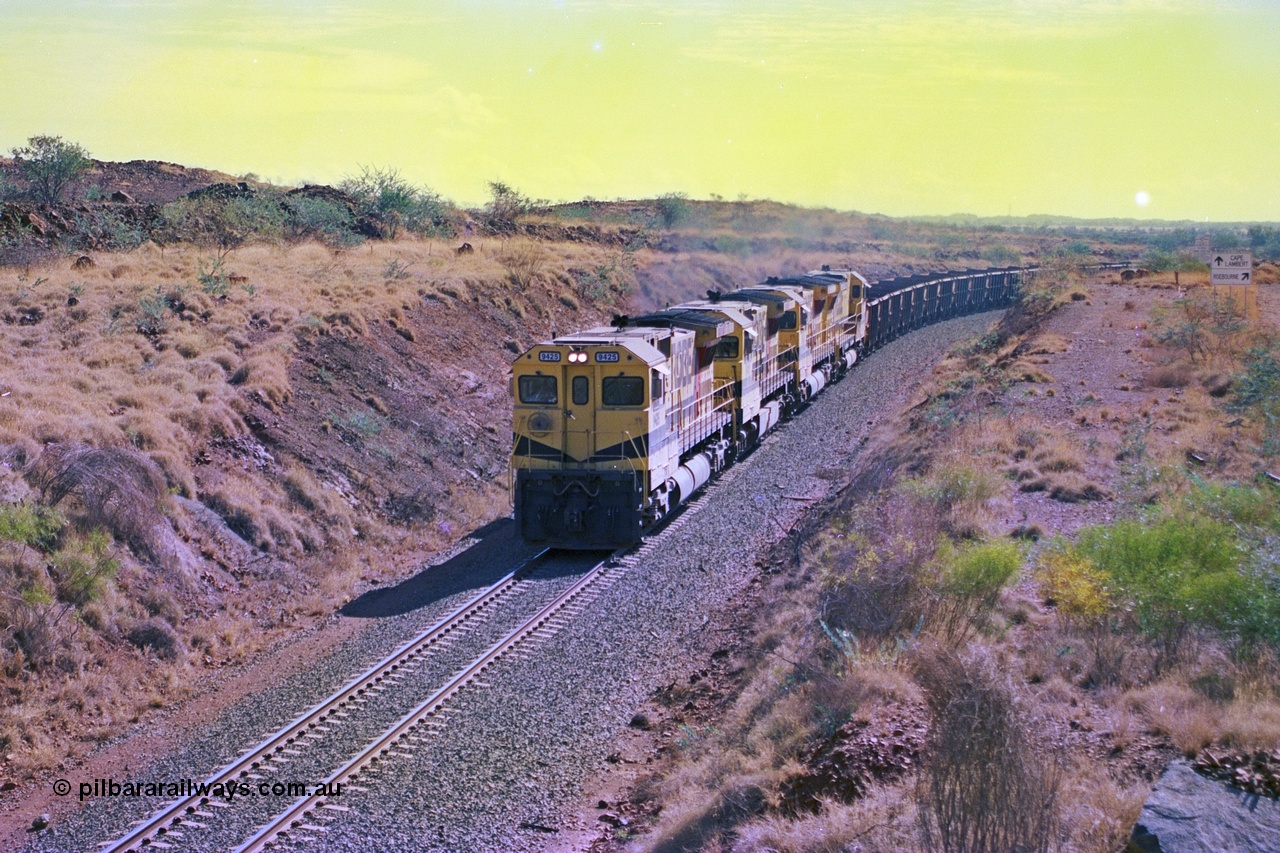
{"type": "Point", "coordinates": [303, 821]}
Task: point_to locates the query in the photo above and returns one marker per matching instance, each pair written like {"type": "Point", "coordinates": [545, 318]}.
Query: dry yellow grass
{"type": "Point", "coordinates": [882, 822]}
{"type": "Point", "coordinates": [166, 354]}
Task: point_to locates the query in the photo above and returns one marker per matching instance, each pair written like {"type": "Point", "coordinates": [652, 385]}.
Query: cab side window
{"type": "Point", "coordinates": [727, 348]}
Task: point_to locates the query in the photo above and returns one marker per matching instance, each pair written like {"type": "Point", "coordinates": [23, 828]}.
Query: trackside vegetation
{"type": "Point", "coordinates": [1181, 572]}
{"type": "Point", "coordinates": [1152, 632]}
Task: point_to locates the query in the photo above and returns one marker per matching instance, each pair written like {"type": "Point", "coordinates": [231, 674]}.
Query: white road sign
{"type": "Point", "coordinates": [1231, 268]}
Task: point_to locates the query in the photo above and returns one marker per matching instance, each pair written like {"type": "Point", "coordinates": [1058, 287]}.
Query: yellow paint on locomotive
{"type": "Point", "coordinates": [604, 400]}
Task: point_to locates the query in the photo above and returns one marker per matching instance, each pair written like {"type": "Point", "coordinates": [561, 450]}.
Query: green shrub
{"type": "Point", "coordinates": [952, 485]}
{"type": "Point", "coordinates": [1198, 325]}
{"type": "Point", "coordinates": [1162, 260]}
{"type": "Point", "coordinates": [1181, 572]}
{"type": "Point", "coordinates": [730, 244]}
{"type": "Point", "coordinates": [82, 567]}
{"type": "Point", "coordinates": [151, 311]}
{"type": "Point", "coordinates": [319, 219]}
{"type": "Point", "coordinates": [1258, 393]}
{"type": "Point", "coordinates": [608, 283]}
{"type": "Point", "coordinates": [8, 189]}
{"type": "Point", "coordinates": [673, 208]}
{"type": "Point", "coordinates": [395, 202]}
{"type": "Point", "coordinates": [108, 230]}
{"type": "Point", "coordinates": [969, 580]}
{"type": "Point", "coordinates": [1245, 506]}
{"type": "Point", "coordinates": [1000, 255]}
{"type": "Point", "coordinates": [225, 224]}
{"type": "Point", "coordinates": [506, 206]}
{"type": "Point", "coordinates": [31, 525]}
{"type": "Point", "coordinates": [1265, 241]}
{"type": "Point", "coordinates": [214, 279]}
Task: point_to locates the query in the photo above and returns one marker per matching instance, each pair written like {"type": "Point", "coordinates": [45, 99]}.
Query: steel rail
{"type": "Point", "coordinates": [294, 817]}
{"type": "Point", "coordinates": [149, 834]}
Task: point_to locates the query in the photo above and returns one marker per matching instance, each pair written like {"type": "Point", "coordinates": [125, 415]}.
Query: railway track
{"type": "Point", "coordinates": [297, 823]}
{"type": "Point", "coordinates": [169, 826]}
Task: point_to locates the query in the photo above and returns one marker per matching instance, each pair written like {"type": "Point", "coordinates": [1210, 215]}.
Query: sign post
{"type": "Point", "coordinates": [1231, 268]}
{"type": "Point", "coordinates": [1231, 275]}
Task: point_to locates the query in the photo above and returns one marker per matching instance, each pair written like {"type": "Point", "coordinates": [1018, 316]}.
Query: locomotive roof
{"type": "Point", "coordinates": [842, 272]}
{"type": "Point", "coordinates": [685, 316]}
{"type": "Point", "coordinates": [813, 279]}
{"type": "Point", "coordinates": [778, 299]}
{"type": "Point", "coordinates": [743, 315]}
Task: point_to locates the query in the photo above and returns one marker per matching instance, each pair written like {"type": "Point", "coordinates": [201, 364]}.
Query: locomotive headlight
{"type": "Point", "coordinates": [578, 357]}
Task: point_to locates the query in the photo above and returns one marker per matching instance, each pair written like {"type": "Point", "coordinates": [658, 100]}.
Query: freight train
{"type": "Point", "coordinates": [615, 427]}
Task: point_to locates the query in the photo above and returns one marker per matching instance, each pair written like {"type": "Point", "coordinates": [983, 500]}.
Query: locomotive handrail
{"type": "Point", "coordinates": [632, 460]}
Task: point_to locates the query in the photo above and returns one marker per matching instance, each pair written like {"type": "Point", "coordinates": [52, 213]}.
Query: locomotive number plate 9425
{"type": "Point", "coordinates": [548, 356]}
{"type": "Point", "coordinates": [606, 356]}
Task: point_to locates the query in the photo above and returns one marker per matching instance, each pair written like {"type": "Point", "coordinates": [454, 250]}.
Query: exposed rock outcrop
{"type": "Point", "coordinates": [1187, 812]}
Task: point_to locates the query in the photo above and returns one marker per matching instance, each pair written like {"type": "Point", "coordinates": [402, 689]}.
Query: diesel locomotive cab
{"type": "Point", "coordinates": [580, 427]}
{"type": "Point", "coordinates": [616, 427]}
{"type": "Point", "coordinates": [587, 424]}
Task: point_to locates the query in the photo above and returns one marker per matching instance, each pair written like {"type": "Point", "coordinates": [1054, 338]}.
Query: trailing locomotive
{"type": "Point", "coordinates": [615, 427]}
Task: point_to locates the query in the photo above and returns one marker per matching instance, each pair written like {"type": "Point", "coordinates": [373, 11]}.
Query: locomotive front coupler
{"type": "Point", "coordinates": [578, 484]}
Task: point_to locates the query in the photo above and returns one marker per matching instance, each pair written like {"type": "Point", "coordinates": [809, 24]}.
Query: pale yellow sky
{"type": "Point", "coordinates": [928, 107]}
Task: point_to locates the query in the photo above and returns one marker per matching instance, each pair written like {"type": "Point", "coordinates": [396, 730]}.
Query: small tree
{"type": "Point", "coordinates": [384, 194]}
{"type": "Point", "coordinates": [224, 224]}
{"type": "Point", "coordinates": [673, 208]}
{"type": "Point", "coordinates": [50, 163]}
{"type": "Point", "coordinates": [506, 206]}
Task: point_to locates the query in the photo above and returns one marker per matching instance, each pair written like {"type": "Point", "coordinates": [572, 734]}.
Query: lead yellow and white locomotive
{"type": "Point", "coordinates": [617, 426]}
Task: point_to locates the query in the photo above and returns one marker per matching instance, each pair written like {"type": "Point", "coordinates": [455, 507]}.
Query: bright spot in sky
{"type": "Point", "coordinates": [1142, 198]}
{"type": "Point", "coordinates": [597, 46]}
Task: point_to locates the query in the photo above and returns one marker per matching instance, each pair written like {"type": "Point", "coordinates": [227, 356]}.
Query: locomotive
{"type": "Point", "coordinates": [615, 427]}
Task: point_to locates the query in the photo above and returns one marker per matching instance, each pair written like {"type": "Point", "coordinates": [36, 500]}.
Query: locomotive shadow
{"type": "Point", "coordinates": [498, 552]}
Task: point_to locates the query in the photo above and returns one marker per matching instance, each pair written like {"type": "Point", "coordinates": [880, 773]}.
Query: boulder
{"type": "Point", "coordinates": [37, 223]}
{"type": "Point", "coordinates": [1188, 812]}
